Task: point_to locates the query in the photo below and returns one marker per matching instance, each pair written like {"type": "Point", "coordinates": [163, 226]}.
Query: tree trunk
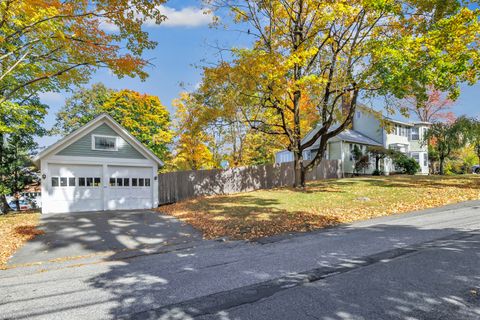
{"type": "Point", "coordinates": [442, 161]}
{"type": "Point", "coordinates": [4, 207]}
{"type": "Point", "coordinates": [299, 170]}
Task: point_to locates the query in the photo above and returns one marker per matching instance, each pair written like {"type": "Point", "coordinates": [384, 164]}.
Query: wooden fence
{"type": "Point", "coordinates": [181, 185]}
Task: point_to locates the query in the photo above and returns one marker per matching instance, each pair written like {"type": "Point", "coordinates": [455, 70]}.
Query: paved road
{"type": "Point", "coordinates": [415, 266]}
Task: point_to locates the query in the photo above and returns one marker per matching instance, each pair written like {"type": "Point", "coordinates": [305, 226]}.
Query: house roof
{"type": "Point", "coordinates": [346, 135]}
{"type": "Point", "coordinates": [356, 137]}
{"type": "Point", "coordinates": [82, 131]}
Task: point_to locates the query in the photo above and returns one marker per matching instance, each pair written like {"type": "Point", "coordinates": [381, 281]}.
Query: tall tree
{"type": "Point", "coordinates": [143, 115]}
{"type": "Point", "coordinates": [18, 132]}
{"type": "Point", "coordinates": [334, 52]}
{"type": "Point", "coordinates": [191, 152]}
{"type": "Point", "coordinates": [46, 45]}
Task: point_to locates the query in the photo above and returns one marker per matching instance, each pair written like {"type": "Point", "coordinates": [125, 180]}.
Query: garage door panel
{"type": "Point", "coordinates": [131, 196]}
{"type": "Point", "coordinates": [72, 196]}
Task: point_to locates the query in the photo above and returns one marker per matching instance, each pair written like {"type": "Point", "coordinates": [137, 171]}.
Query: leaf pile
{"type": "Point", "coordinates": [15, 230]}
{"type": "Point", "coordinates": [324, 203]}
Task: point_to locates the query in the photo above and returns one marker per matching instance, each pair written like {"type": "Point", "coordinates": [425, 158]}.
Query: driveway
{"type": "Point", "coordinates": [422, 265]}
{"type": "Point", "coordinates": [100, 234]}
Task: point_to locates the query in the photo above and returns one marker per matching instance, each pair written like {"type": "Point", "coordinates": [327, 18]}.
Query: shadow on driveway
{"type": "Point", "coordinates": [89, 233]}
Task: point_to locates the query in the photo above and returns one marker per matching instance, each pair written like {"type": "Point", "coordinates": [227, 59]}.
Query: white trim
{"type": "Point", "coordinates": [104, 136]}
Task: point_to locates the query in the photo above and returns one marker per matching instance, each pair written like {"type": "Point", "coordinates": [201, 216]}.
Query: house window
{"type": "Point", "coordinates": [416, 156]}
{"type": "Point", "coordinates": [415, 133]}
{"type": "Point", "coordinates": [104, 143]}
{"type": "Point", "coordinates": [425, 160]}
{"type": "Point", "coordinates": [359, 114]}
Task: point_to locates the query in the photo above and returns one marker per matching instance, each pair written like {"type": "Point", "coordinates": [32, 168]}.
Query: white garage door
{"type": "Point", "coordinates": [129, 188]}
{"type": "Point", "coordinates": [74, 188]}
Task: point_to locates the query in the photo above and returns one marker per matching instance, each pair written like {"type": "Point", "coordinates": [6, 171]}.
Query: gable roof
{"type": "Point", "coordinates": [82, 131]}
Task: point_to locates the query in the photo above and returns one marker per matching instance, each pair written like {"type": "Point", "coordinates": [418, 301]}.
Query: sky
{"type": "Point", "coordinates": [186, 41]}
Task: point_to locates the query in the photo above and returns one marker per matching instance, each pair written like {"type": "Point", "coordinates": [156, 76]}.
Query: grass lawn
{"type": "Point", "coordinates": [324, 203]}
{"type": "Point", "coordinates": [15, 230]}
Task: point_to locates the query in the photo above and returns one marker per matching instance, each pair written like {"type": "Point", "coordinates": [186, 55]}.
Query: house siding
{"type": "Point", "coordinates": [83, 147]}
{"type": "Point", "coordinates": [367, 124]}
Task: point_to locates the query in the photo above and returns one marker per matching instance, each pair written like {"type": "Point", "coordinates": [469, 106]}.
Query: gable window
{"type": "Point", "coordinates": [104, 143]}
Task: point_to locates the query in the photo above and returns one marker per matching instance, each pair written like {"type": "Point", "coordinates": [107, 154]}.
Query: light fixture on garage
{"type": "Point", "coordinates": [44, 176]}
{"type": "Point", "coordinates": [155, 178]}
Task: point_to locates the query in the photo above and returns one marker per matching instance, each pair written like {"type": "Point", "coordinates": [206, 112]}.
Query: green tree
{"type": "Point", "coordinates": [143, 115]}
{"type": "Point", "coordinates": [445, 138]}
{"type": "Point", "coordinates": [84, 105]}
{"type": "Point", "coordinates": [17, 143]}
{"type": "Point", "coordinates": [379, 153]}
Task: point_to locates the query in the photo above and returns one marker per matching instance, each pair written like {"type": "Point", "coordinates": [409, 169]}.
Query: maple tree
{"type": "Point", "coordinates": [143, 115]}
{"type": "Point", "coordinates": [192, 151]}
{"type": "Point", "coordinates": [335, 52]}
{"type": "Point", "coordinates": [46, 45]}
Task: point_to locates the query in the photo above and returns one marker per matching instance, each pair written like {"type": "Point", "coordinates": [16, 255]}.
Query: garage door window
{"type": "Point", "coordinates": [55, 182]}
{"type": "Point", "coordinates": [141, 182]}
{"type": "Point", "coordinates": [119, 182]}
{"type": "Point", "coordinates": [81, 182]}
{"type": "Point", "coordinates": [71, 182]}
{"type": "Point", "coordinates": [147, 182]}
{"type": "Point", "coordinates": [126, 182]}
{"type": "Point", "coordinates": [134, 182]}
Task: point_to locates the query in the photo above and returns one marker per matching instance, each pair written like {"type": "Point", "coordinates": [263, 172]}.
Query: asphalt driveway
{"type": "Point", "coordinates": [84, 234]}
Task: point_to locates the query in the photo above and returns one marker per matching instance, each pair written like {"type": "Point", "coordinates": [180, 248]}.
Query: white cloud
{"type": "Point", "coordinates": [185, 17]}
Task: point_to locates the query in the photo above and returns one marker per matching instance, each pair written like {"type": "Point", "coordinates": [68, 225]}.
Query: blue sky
{"type": "Point", "coordinates": [184, 41]}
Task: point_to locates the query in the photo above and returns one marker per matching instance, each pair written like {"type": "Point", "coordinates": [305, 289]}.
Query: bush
{"type": "Point", "coordinates": [377, 172]}
{"type": "Point", "coordinates": [407, 165]}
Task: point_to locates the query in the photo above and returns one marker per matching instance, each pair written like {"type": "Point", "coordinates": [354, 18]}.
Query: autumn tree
{"type": "Point", "coordinates": [191, 151]}
{"type": "Point", "coordinates": [143, 115]}
{"type": "Point", "coordinates": [47, 45]}
{"type": "Point", "coordinates": [335, 52]}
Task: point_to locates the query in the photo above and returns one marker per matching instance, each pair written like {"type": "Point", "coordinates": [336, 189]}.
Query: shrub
{"type": "Point", "coordinates": [407, 165]}
{"type": "Point", "coordinates": [377, 172]}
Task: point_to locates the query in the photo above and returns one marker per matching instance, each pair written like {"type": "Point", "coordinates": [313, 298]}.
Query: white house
{"type": "Point", "coordinates": [100, 166]}
{"type": "Point", "coordinates": [369, 128]}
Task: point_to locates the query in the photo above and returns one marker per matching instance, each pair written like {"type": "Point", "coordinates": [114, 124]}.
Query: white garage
{"type": "Point", "coordinates": [98, 167]}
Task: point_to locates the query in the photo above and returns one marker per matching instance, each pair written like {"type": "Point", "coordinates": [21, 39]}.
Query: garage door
{"type": "Point", "coordinates": [129, 188]}
{"type": "Point", "coordinates": [75, 188]}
